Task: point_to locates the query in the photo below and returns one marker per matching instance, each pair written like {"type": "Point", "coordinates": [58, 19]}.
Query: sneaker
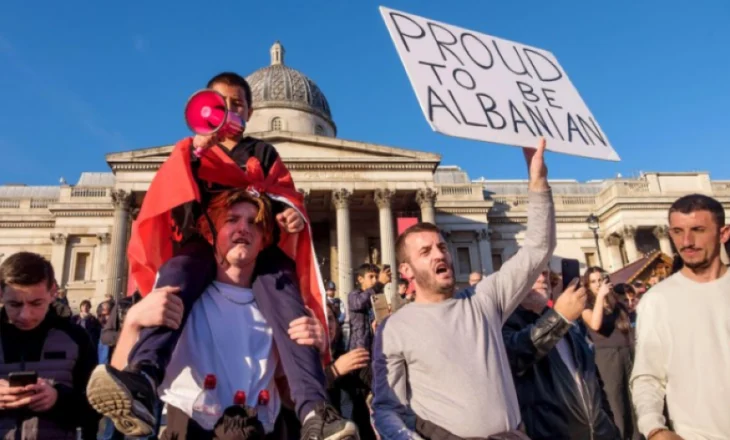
{"type": "Point", "coordinates": [126, 397]}
{"type": "Point", "coordinates": [326, 424]}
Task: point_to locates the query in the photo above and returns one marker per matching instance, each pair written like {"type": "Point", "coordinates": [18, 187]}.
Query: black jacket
{"type": "Point", "coordinates": [91, 325]}
{"type": "Point", "coordinates": [551, 404]}
{"type": "Point", "coordinates": [38, 350]}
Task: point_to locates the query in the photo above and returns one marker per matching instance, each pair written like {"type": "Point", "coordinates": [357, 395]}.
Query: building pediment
{"type": "Point", "coordinates": [154, 154]}
{"type": "Point", "coordinates": [296, 148]}
{"type": "Point", "coordinates": [307, 147]}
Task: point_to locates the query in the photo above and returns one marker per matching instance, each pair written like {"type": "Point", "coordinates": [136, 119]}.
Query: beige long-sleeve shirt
{"type": "Point", "coordinates": [683, 353]}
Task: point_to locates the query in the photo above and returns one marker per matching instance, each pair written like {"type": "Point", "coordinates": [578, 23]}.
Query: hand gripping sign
{"type": "Point", "coordinates": [476, 86]}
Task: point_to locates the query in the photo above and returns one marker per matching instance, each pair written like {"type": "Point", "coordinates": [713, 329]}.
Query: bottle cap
{"type": "Point", "coordinates": [264, 397]}
{"type": "Point", "coordinates": [239, 398]}
{"type": "Point", "coordinates": [210, 382]}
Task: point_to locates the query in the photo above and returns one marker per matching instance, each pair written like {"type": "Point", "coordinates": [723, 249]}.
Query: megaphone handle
{"type": "Point", "coordinates": [201, 143]}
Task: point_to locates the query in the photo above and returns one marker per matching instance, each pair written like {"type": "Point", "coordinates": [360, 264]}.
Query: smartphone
{"type": "Point", "coordinates": [396, 303]}
{"type": "Point", "coordinates": [380, 307]}
{"type": "Point", "coordinates": [570, 269]}
{"type": "Point", "coordinates": [22, 378]}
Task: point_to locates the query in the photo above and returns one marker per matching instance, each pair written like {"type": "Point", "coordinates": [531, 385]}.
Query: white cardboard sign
{"type": "Point", "coordinates": [477, 86]}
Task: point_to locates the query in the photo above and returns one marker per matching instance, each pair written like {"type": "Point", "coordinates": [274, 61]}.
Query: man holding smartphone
{"type": "Point", "coordinates": [360, 303]}
{"type": "Point", "coordinates": [45, 360]}
{"type": "Point", "coordinates": [559, 390]}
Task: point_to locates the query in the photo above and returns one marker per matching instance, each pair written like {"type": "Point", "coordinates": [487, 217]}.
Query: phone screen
{"type": "Point", "coordinates": [22, 378]}
{"type": "Point", "coordinates": [570, 271]}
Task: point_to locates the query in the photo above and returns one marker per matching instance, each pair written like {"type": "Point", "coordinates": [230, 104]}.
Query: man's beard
{"type": "Point", "coordinates": [427, 280]}
{"type": "Point", "coordinates": [703, 264]}
{"type": "Point", "coordinates": [697, 265]}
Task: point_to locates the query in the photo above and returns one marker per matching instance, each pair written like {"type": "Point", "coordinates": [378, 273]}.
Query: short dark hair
{"type": "Point", "coordinates": [367, 268]}
{"type": "Point", "coordinates": [232, 79]}
{"type": "Point", "coordinates": [402, 282]}
{"type": "Point", "coordinates": [699, 202]}
{"type": "Point", "coordinates": [26, 269]}
{"type": "Point", "coordinates": [83, 303]}
{"type": "Point", "coordinates": [400, 243]}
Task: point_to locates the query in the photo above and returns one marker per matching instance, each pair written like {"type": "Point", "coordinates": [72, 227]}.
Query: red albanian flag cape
{"type": "Point", "coordinates": [151, 241]}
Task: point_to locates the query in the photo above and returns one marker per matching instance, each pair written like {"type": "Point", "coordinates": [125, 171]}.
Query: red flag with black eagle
{"type": "Point", "coordinates": [151, 242]}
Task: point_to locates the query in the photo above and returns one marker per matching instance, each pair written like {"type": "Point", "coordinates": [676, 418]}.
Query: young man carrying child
{"type": "Point", "coordinates": [128, 396]}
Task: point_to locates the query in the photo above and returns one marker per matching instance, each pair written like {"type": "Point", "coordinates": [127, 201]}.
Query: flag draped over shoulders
{"type": "Point", "coordinates": [151, 241]}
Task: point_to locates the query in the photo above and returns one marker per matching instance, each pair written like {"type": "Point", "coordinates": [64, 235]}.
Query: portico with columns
{"type": "Point", "coordinates": [354, 192]}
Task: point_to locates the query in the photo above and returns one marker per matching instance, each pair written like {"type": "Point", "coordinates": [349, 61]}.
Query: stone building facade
{"type": "Point", "coordinates": [355, 192]}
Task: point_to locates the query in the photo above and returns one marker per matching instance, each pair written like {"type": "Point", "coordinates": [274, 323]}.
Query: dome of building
{"type": "Point", "coordinates": [278, 86]}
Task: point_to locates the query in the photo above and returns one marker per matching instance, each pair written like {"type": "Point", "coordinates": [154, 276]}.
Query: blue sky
{"type": "Point", "coordinates": [82, 79]}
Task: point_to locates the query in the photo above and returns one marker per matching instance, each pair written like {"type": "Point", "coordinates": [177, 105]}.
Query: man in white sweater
{"type": "Point", "coordinates": [683, 333]}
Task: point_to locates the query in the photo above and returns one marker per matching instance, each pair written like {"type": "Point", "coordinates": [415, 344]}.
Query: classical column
{"type": "Point", "coordinates": [122, 201]}
{"type": "Point", "coordinates": [101, 258]}
{"type": "Point", "coordinates": [305, 194]}
{"type": "Point", "coordinates": [383, 198]}
{"type": "Point", "coordinates": [333, 257]}
{"type": "Point", "coordinates": [485, 250]}
{"type": "Point", "coordinates": [341, 200]}
{"type": "Point", "coordinates": [58, 256]}
{"type": "Point", "coordinates": [426, 197]}
{"type": "Point", "coordinates": [628, 233]}
{"type": "Point", "coordinates": [662, 234]}
{"type": "Point", "coordinates": [613, 243]}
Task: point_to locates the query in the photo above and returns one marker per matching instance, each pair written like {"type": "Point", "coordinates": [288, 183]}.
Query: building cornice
{"type": "Point", "coordinates": [461, 210]}
{"type": "Point", "coordinates": [30, 224]}
{"type": "Point", "coordinates": [501, 220]}
{"type": "Point", "coordinates": [306, 166]}
{"type": "Point", "coordinates": [71, 213]}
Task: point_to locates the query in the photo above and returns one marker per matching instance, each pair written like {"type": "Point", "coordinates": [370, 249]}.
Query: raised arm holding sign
{"type": "Point", "coordinates": [476, 86]}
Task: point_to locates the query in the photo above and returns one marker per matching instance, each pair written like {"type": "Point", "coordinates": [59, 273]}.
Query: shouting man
{"type": "Point", "coordinates": [440, 365]}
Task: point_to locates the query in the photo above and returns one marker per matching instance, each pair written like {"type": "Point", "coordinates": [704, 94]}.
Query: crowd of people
{"type": "Point", "coordinates": [514, 355]}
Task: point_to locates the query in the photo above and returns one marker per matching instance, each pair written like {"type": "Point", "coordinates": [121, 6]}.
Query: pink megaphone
{"type": "Point", "coordinates": [206, 113]}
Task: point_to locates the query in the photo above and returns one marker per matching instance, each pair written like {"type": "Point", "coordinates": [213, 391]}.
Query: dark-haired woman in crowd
{"type": "Point", "coordinates": [610, 329]}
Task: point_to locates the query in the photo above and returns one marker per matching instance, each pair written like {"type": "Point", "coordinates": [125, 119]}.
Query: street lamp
{"type": "Point", "coordinates": [592, 221]}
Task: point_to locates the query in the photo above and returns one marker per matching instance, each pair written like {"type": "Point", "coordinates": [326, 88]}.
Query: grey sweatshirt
{"type": "Point", "coordinates": [446, 361]}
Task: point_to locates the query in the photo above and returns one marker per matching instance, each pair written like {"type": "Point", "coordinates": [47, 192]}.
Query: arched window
{"type": "Point", "coordinates": [319, 130]}
{"type": "Point", "coordinates": [276, 124]}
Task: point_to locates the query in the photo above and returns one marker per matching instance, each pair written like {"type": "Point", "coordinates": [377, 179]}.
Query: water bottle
{"type": "Point", "coordinates": [239, 398]}
{"type": "Point", "coordinates": [262, 410]}
{"type": "Point", "coordinates": [207, 409]}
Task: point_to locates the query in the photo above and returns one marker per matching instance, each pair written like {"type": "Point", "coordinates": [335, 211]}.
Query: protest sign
{"type": "Point", "coordinates": [477, 86]}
